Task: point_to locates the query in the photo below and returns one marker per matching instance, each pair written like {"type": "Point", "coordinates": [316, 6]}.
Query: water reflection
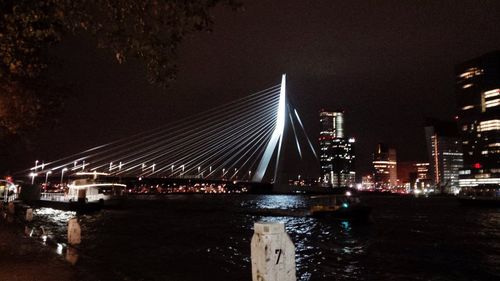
{"type": "Point", "coordinates": [192, 237]}
{"type": "Point", "coordinates": [275, 202]}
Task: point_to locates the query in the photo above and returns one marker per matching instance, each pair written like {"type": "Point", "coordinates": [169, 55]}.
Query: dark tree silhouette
{"type": "Point", "coordinates": [149, 30]}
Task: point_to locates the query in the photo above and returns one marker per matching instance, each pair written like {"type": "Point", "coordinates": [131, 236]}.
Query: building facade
{"type": "Point", "coordinates": [478, 100]}
{"type": "Point", "coordinates": [414, 175]}
{"type": "Point", "coordinates": [385, 174]}
{"type": "Point", "coordinates": [445, 154]}
{"type": "Point", "coordinates": [337, 154]}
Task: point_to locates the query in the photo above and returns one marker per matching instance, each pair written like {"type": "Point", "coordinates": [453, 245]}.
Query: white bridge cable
{"type": "Point", "coordinates": [189, 141]}
{"type": "Point", "coordinates": [210, 144]}
{"type": "Point", "coordinates": [250, 137]}
{"type": "Point", "coordinates": [313, 150]}
{"type": "Point", "coordinates": [158, 141]}
{"type": "Point", "coordinates": [202, 115]}
{"type": "Point", "coordinates": [228, 151]}
{"type": "Point", "coordinates": [296, 113]}
{"type": "Point", "coordinates": [137, 148]}
{"type": "Point", "coordinates": [294, 133]}
{"type": "Point", "coordinates": [260, 140]}
{"type": "Point", "coordinates": [181, 135]}
{"type": "Point", "coordinates": [214, 146]}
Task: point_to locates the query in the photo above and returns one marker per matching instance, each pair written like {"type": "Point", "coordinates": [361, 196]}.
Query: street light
{"type": "Point", "coordinates": [62, 174]}
{"type": "Point", "coordinates": [47, 176]}
{"type": "Point", "coordinates": [33, 175]}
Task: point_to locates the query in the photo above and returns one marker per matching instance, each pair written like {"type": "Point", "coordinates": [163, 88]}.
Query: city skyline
{"type": "Point", "coordinates": [386, 86]}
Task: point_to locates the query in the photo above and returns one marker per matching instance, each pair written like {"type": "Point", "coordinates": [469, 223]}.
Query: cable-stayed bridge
{"type": "Point", "coordinates": [241, 140]}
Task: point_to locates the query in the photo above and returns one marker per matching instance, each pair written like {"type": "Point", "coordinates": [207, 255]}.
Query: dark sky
{"type": "Point", "coordinates": [388, 64]}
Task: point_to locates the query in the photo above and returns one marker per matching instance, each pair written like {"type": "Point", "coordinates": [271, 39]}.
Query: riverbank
{"type": "Point", "coordinates": [26, 259]}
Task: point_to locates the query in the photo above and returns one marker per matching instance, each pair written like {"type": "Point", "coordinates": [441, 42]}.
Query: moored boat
{"type": "Point", "coordinates": [482, 195]}
{"type": "Point", "coordinates": [341, 206]}
{"type": "Point", "coordinates": [86, 192]}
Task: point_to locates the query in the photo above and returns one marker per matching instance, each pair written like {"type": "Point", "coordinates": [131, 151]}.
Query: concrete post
{"type": "Point", "coordinates": [273, 253]}
{"type": "Point", "coordinates": [74, 232]}
{"type": "Point", "coordinates": [29, 214]}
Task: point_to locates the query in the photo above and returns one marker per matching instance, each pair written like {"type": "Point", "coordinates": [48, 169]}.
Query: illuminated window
{"type": "Point", "coordinates": [490, 125]}
{"type": "Point", "coordinates": [471, 72]}
{"type": "Point", "coordinates": [491, 93]}
{"type": "Point", "coordinates": [492, 103]}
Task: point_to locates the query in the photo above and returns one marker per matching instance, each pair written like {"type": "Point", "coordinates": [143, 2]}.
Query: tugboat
{"type": "Point", "coordinates": [481, 195]}
{"type": "Point", "coordinates": [345, 206]}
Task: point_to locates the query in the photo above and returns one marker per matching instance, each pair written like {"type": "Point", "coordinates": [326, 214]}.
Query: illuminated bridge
{"type": "Point", "coordinates": [241, 140]}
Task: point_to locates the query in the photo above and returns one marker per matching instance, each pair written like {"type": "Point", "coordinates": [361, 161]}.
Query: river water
{"type": "Point", "coordinates": [201, 237]}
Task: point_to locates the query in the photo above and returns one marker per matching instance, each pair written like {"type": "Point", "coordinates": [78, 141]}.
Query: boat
{"type": "Point", "coordinates": [85, 192]}
{"type": "Point", "coordinates": [481, 195]}
{"type": "Point", "coordinates": [339, 206]}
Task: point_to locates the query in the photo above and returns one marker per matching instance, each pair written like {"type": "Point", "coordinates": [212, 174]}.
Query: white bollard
{"type": "Point", "coordinates": [29, 214]}
{"type": "Point", "coordinates": [272, 252]}
{"type": "Point", "coordinates": [74, 232]}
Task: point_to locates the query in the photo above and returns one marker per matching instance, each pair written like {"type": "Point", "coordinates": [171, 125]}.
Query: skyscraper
{"type": "Point", "coordinates": [445, 154]}
{"type": "Point", "coordinates": [336, 151]}
{"type": "Point", "coordinates": [385, 167]}
{"type": "Point", "coordinates": [478, 96]}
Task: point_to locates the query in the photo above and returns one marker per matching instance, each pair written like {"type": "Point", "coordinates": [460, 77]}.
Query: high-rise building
{"type": "Point", "coordinates": [336, 151]}
{"type": "Point", "coordinates": [385, 167]}
{"type": "Point", "coordinates": [445, 154]}
{"type": "Point", "coordinates": [478, 96]}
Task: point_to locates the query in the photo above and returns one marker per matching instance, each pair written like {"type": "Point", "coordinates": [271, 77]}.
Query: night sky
{"type": "Point", "coordinates": [388, 64]}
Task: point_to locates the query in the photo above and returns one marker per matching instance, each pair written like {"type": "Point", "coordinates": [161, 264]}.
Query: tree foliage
{"type": "Point", "coordinates": [150, 30]}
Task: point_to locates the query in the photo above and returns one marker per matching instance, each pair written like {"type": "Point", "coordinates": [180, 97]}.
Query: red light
{"type": "Point", "coordinates": [477, 166]}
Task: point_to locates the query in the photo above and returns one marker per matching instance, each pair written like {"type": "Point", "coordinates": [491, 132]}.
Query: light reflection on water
{"type": "Point", "coordinates": [208, 238]}
{"type": "Point", "coordinates": [275, 202]}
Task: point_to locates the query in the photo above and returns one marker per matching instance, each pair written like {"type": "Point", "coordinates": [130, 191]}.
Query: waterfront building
{"type": "Point", "coordinates": [367, 182]}
{"type": "Point", "coordinates": [445, 154]}
{"type": "Point", "coordinates": [385, 174]}
{"type": "Point", "coordinates": [414, 175]}
{"type": "Point", "coordinates": [478, 100]}
{"type": "Point", "coordinates": [337, 154]}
